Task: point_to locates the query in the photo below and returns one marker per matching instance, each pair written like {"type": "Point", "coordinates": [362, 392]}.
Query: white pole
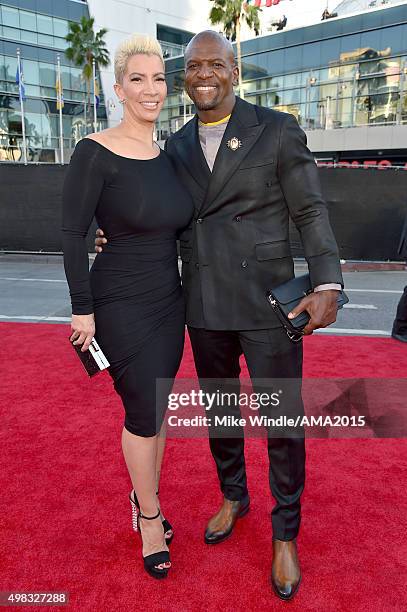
{"type": "Point", "coordinates": [59, 97]}
{"type": "Point", "coordinates": [20, 92]}
{"type": "Point", "coordinates": [94, 97]}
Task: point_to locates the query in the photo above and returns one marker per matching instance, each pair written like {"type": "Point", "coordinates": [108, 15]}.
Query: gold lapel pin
{"type": "Point", "coordinates": [234, 144]}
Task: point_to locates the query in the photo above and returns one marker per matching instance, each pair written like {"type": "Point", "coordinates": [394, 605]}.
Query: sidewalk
{"type": "Point", "coordinates": [300, 263]}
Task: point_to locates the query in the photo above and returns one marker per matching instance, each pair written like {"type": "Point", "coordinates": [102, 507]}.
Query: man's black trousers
{"type": "Point", "coordinates": [275, 365]}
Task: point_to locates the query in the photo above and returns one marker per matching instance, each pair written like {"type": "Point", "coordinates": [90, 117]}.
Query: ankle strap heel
{"type": "Point", "coordinates": [153, 561]}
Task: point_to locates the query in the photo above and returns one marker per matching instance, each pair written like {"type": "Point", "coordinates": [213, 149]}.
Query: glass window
{"type": "Point", "coordinates": [66, 77]}
{"type": "Point", "coordinates": [330, 50]}
{"type": "Point", "coordinates": [10, 16]}
{"type": "Point", "coordinates": [44, 39]}
{"type": "Point", "coordinates": [33, 125]}
{"type": "Point", "coordinates": [254, 67]}
{"type": "Point", "coordinates": [292, 80]}
{"type": "Point", "coordinates": [311, 55]}
{"type": "Point", "coordinates": [29, 37]}
{"type": "Point", "coordinates": [350, 47]}
{"type": "Point", "coordinates": [32, 90]}
{"type": "Point", "coordinates": [47, 75]}
{"type": "Point", "coordinates": [347, 71]}
{"type": "Point", "coordinates": [292, 58]}
{"type": "Point", "coordinates": [371, 40]}
{"type": "Point", "coordinates": [2, 68]}
{"type": "Point", "coordinates": [291, 96]}
{"type": "Point", "coordinates": [3, 121]}
{"type": "Point", "coordinates": [10, 66]}
{"type": "Point", "coordinates": [11, 33]}
{"type": "Point", "coordinates": [393, 38]}
{"type": "Point", "coordinates": [77, 82]}
{"type": "Point", "coordinates": [31, 72]}
{"type": "Point", "coordinates": [45, 24]}
{"type": "Point", "coordinates": [325, 91]}
{"type": "Point", "coordinates": [60, 27]}
{"type": "Point", "coordinates": [60, 43]}
{"type": "Point", "coordinates": [28, 21]}
{"type": "Point", "coordinates": [276, 61]}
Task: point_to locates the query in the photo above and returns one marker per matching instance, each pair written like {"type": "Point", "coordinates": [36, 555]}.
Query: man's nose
{"type": "Point", "coordinates": [205, 72]}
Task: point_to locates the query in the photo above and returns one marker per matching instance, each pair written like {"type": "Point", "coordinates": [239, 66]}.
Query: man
{"type": "Point", "coordinates": [247, 169]}
{"type": "Point", "coordinates": [399, 331]}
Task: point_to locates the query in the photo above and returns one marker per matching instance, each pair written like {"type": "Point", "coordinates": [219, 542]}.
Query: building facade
{"type": "Point", "coordinates": [173, 22]}
{"type": "Point", "coordinates": [344, 79]}
{"type": "Point", "coordinates": [38, 28]}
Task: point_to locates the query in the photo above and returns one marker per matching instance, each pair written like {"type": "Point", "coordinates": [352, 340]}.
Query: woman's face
{"type": "Point", "coordinates": [143, 87]}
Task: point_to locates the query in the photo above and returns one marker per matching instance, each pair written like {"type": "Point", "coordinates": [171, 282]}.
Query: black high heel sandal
{"type": "Point", "coordinates": [135, 509]}
{"type": "Point", "coordinates": [152, 561]}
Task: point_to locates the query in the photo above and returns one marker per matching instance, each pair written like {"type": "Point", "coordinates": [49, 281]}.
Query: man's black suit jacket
{"type": "Point", "coordinates": [403, 240]}
{"type": "Point", "coordinates": [237, 245]}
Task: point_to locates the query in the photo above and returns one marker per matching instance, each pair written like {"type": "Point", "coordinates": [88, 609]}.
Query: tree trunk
{"type": "Point", "coordinates": [87, 101]}
{"type": "Point", "coordinates": [239, 57]}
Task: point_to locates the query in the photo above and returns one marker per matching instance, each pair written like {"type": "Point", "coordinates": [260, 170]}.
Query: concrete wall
{"type": "Point", "coordinates": [366, 207]}
{"type": "Point", "coordinates": [358, 138]}
{"type": "Point", "coordinates": [125, 17]}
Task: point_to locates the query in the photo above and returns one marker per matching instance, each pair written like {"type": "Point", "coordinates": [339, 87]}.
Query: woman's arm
{"type": "Point", "coordinates": [82, 188]}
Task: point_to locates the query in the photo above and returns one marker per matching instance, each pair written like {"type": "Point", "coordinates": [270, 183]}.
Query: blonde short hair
{"type": "Point", "coordinates": [137, 44]}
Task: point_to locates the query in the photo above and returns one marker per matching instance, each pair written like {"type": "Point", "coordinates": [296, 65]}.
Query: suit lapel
{"type": "Point", "coordinates": [244, 126]}
{"type": "Point", "coordinates": [190, 151]}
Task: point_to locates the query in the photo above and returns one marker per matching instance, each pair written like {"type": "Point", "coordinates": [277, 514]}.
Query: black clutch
{"type": "Point", "coordinates": [284, 298]}
{"type": "Point", "coordinates": [93, 360]}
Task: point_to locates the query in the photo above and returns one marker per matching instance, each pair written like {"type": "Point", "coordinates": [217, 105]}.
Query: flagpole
{"type": "Point", "coordinates": [59, 98]}
{"type": "Point", "coordinates": [94, 96]}
{"type": "Point", "coordinates": [21, 105]}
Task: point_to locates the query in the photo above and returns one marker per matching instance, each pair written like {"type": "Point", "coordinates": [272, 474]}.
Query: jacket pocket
{"type": "Point", "coordinates": [185, 253]}
{"type": "Point", "coordinates": [254, 163]}
{"type": "Point", "coordinates": [272, 250]}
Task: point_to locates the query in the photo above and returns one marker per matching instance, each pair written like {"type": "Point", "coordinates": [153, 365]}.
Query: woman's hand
{"type": "Point", "coordinates": [83, 330]}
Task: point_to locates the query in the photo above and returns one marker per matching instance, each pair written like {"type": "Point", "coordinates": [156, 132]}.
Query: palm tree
{"type": "Point", "coordinates": [86, 46]}
{"type": "Point", "coordinates": [232, 13]}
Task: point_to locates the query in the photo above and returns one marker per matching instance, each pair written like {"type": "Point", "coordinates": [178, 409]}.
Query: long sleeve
{"type": "Point", "coordinates": [302, 192]}
{"type": "Point", "coordinates": [82, 188]}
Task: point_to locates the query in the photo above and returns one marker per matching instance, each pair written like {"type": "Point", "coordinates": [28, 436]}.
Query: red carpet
{"type": "Point", "coordinates": [65, 518]}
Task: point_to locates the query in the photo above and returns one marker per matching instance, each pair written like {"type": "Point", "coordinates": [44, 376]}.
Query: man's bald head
{"type": "Point", "coordinates": [210, 74]}
{"type": "Point", "coordinates": [210, 36]}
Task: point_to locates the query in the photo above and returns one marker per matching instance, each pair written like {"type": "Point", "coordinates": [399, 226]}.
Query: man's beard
{"type": "Point", "coordinates": [204, 106]}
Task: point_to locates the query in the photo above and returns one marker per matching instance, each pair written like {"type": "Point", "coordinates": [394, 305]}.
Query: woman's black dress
{"type": "Point", "coordinates": [133, 287]}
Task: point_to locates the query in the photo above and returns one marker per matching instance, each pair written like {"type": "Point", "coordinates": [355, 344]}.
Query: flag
{"type": "Point", "coordinates": [97, 93]}
{"type": "Point", "coordinates": [20, 81]}
{"type": "Point", "coordinates": [60, 95]}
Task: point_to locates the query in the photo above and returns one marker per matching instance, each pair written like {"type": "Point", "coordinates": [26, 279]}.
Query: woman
{"type": "Point", "coordinates": [131, 300]}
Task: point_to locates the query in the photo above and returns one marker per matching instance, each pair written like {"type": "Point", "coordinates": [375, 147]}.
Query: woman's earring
{"type": "Point", "coordinates": [122, 101]}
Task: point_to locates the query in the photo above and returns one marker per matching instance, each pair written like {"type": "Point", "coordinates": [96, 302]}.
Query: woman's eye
{"type": "Point", "coordinates": [218, 65]}
{"type": "Point", "coordinates": [136, 79]}
{"type": "Point", "coordinates": [161, 79]}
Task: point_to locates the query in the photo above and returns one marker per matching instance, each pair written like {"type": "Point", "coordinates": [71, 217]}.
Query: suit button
{"type": "Point", "coordinates": [197, 265]}
{"type": "Point", "coordinates": [269, 183]}
{"type": "Point", "coordinates": [244, 264]}
{"type": "Point", "coordinates": [238, 218]}
{"type": "Point", "coordinates": [199, 220]}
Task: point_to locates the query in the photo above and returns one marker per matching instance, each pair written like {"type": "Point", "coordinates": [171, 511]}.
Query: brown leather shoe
{"type": "Point", "coordinates": [285, 571]}
{"type": "Point", "coordinates": [221, 525]}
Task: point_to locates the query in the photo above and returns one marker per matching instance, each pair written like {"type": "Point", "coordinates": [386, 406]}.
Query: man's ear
{"type": "Point", "coordinates": [235, 74]}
